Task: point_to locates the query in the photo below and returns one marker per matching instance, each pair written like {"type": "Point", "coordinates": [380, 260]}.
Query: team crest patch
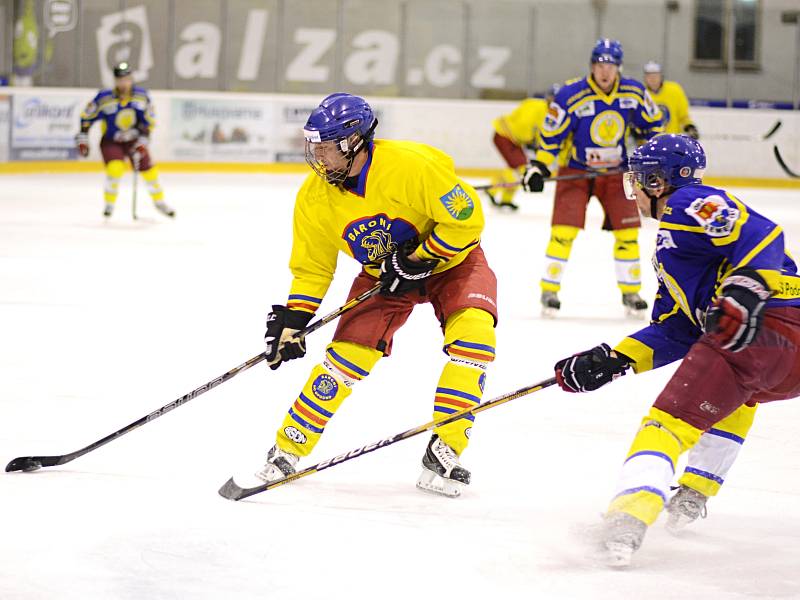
{"type": "Point", "coordinates": [714, 215]}
{"type": "Point", "coordinates": [325, 387]}
{"type": "Point", "coordinates": [458, 203]}
{"type": "Point", "coordinates": [373, 237]}
{"type": "Point", "coordinates": [482, 381]}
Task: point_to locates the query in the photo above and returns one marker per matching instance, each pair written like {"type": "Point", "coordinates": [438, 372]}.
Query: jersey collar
{"type": "Point", "coordinates": [360, 188]}
{"type": "Point", "coordinates": [596, 88]}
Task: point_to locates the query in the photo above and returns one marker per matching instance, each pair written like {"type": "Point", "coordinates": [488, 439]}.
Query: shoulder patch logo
{"type": "Point", "coordinates": [555, 117]}
{"type": "Point", "coordinates": [458, 203]}
{"type": "Point", "coordinates": [714, 215]}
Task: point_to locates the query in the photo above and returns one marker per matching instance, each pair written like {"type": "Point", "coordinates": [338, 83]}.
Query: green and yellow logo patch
{"type": "Point", "coordinates": [458, 203]}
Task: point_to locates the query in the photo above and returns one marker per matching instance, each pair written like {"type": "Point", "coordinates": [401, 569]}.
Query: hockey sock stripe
{"type": "Point", "coordinates": [458, 394]}
{"type": "Point", "coordinates": [313, 405]}
{"type": "Point", "coordinates": [450, 411]}
{"type": "Point", "coordinates": [302, 422]}
{"type": "Point", "coordinates": [653, 453]}
{"type": "Point", "coordinates": [726, 434]}
{"type": "Point", "coordinates": [705, 474]}
{"type": "Point", "coordinates": [350, 369]}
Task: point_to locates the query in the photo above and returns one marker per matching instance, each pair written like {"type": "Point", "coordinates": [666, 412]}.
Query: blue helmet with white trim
{"type": "Point", "coordinates": [345, 120]}
{"type": "Point", "coordinates": [670, 158]}
{"type": "Point", "coordinates": [607, 51]}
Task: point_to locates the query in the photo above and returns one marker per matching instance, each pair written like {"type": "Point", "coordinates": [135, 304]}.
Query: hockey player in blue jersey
{"type": "Point", "coordinates": [126, 117]}
{"type": "Point", "coordinates": [728, 303]}
{"type": "Point", "coordinates": [592, 114]}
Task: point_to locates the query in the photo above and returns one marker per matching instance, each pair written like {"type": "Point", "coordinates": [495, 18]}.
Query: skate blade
{"type": "Point", "coordinates": [436, 484]}
{"type": "Point", "coordinates": [677, 523]}
{"type": "Point", "coordinates": [549, 312]}
{"type": "Point", "coordinates": [617, 555]}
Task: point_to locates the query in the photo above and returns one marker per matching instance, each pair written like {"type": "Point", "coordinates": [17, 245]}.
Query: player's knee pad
{"type": "Point", "coordinates": [115, 169]}
{"type": "Point", "coordinates": [469, 342]}
{"type": "Point", "coordinates": [626, 243]}
{"type": "Point", "coordinates": [305, 422]}
{"type": "Point", "coordinates": [562, 236]}
{"type": "Point", "coordinates": [350, 361]}
{"type": "Point", "coordinates": [557, 254]}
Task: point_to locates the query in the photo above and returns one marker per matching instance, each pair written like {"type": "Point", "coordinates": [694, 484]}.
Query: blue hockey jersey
{"type": "Point", "coordinates": [705, 233]}
{"type": "Point", "coordinates": [123, 118]}
{"type": "Point", "coordinates": [596, 122]}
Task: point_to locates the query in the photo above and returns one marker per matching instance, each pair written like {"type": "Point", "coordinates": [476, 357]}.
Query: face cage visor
{"type": "Point", "coordinates": [640, 180]}
{"type": "Point", "coordinates": [343, 148]}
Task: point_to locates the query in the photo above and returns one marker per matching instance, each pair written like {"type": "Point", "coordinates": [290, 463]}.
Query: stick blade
{"type": "Point", "coordinates": [26, 464]}
{"type": "Point", "coordinates": [231, 490]}
{"type": "Point", "coordinates": [783, 165]}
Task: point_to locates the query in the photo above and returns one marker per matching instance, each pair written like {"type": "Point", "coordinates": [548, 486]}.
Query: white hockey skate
{"type": "Point", "coordinates": [550, 304]}
{"type": "Point", "coordinates": [441, 471]}
{"type": "Point", "coordinates": [622, 536]}
{"type": "Point", "coordinates": [279, 464]}
{"type": "Point", "coordinates": [164, 208]}
{"type": "Point", "coordinates": [684, 508]}
{"type": "Point", "coordinates": [634, 305]}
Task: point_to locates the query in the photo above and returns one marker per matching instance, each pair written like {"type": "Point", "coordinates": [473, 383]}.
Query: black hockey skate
{"type": "Point", "coordinates": [498, 203]}
{"type": "Point", "coordinates": [685, 507]}
{"type": "Point", "coordinates": [441, 471]}
{"type": "Point", "coordinates": [550, 304]}
{"type": "Point", "coordinates": [622, 536]}
{"type": "Point", "coordinates": [108, 209]}
{"type": "Point", "coordinates": [634, 305]}
{"type": "Point", "coordinates": [165, 208]}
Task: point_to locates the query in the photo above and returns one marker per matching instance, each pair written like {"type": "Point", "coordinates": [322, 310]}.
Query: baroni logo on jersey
{"type": "Point", "coordinates": [458, 203]}
{"type": "Point", "coordinates": [371, 238]}
{"type": "Point", "coordinates": [714, 215]}
{"type": "Point", "coordinates": [607, 128]}
{"type": "Point", "coordinates": [325, 387]}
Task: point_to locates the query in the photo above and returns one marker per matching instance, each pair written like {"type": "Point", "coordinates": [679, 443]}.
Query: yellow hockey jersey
{"type": "Point", "coordinates": [674, 105]}
{"type": "Point", "coordinates": [523, 124]}
{"type": "Point", "coordinates": [406, 190]}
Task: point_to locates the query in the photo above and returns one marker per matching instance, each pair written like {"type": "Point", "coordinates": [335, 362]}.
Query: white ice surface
{"type": "Point", "coordinates": [102, 323]}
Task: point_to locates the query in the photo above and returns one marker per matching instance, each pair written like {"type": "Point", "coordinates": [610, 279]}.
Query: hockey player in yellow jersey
{"type": "Point", "coordinates": [516, 134]}
{"type": "Point", "coordinates": [127, 120]}
{"type": "Point", "coordinates": [671, 99]}
{"type": "Point", "coordinates": [399, 209]}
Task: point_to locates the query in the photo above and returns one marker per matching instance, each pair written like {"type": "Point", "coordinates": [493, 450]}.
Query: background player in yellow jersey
{"type": "Point", "coordinates": [400, 210]}
{"type": "Point", "coordinates": [671, 99]}
{"type": "Point", "coordinates": [516, 134]}
{"type": "Point", "coordinates": [126, 115]}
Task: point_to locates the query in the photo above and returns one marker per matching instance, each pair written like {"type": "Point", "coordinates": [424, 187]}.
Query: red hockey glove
{"type": "Point", "coordinates": [82, 143]}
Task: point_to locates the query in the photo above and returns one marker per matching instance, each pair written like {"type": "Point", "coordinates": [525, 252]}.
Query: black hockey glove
{"type": "Point", "coordinates": [589, 370]}
{"type": "Point", "coordinates": [535, 174]}
{"type": "Point", "coordinates": [691, 131]}
{"type": "Point", "coordinates": [282, 324]}
{"type": "Point", "coordinates": [400, 275]}
{"type": "Point", "coordinates": [735, 317]}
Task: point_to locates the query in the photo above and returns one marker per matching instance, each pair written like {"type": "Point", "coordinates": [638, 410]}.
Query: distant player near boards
{"type": "Point", "coordinates": [594, 113]}
{"type": "Point", "coordinates": [126, 117]}
{"type": "Point", "coordinates": [399, 209]}
{"type": "Point", "coordinates": [671, 99]}
{"type": "Point", "coordinates": [728, 305]}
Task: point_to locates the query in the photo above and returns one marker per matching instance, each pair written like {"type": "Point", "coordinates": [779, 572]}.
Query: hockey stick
{"type": "Point", "coordinates": [135, 164]}
{"type": "Point", "coordinates": [32, 463]}
{"type": "Point", "coordinates": [572, 177]}
{"type": "Point", "coordinates": [232, 491]}
{"type": "Point", "coordinates": [772, 131]}
{"type": "Point", "coordinates": [783, 164]}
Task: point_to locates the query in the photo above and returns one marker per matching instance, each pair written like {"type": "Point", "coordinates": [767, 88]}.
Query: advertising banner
{"type": "Point", "coordinates": [44, 127]}
{"type": "Point", "coordinates": [222, 130]}
{"type": "Point", "coordinates": [5, 114]}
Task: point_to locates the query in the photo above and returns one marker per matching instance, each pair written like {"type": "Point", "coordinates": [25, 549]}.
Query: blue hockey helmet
{"type": "Point", "coordinates": [607, 51]}
{"type": "Point", "coordinates": [345, 120]}
{"type": "Point", "coordinates": [670, 159]}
